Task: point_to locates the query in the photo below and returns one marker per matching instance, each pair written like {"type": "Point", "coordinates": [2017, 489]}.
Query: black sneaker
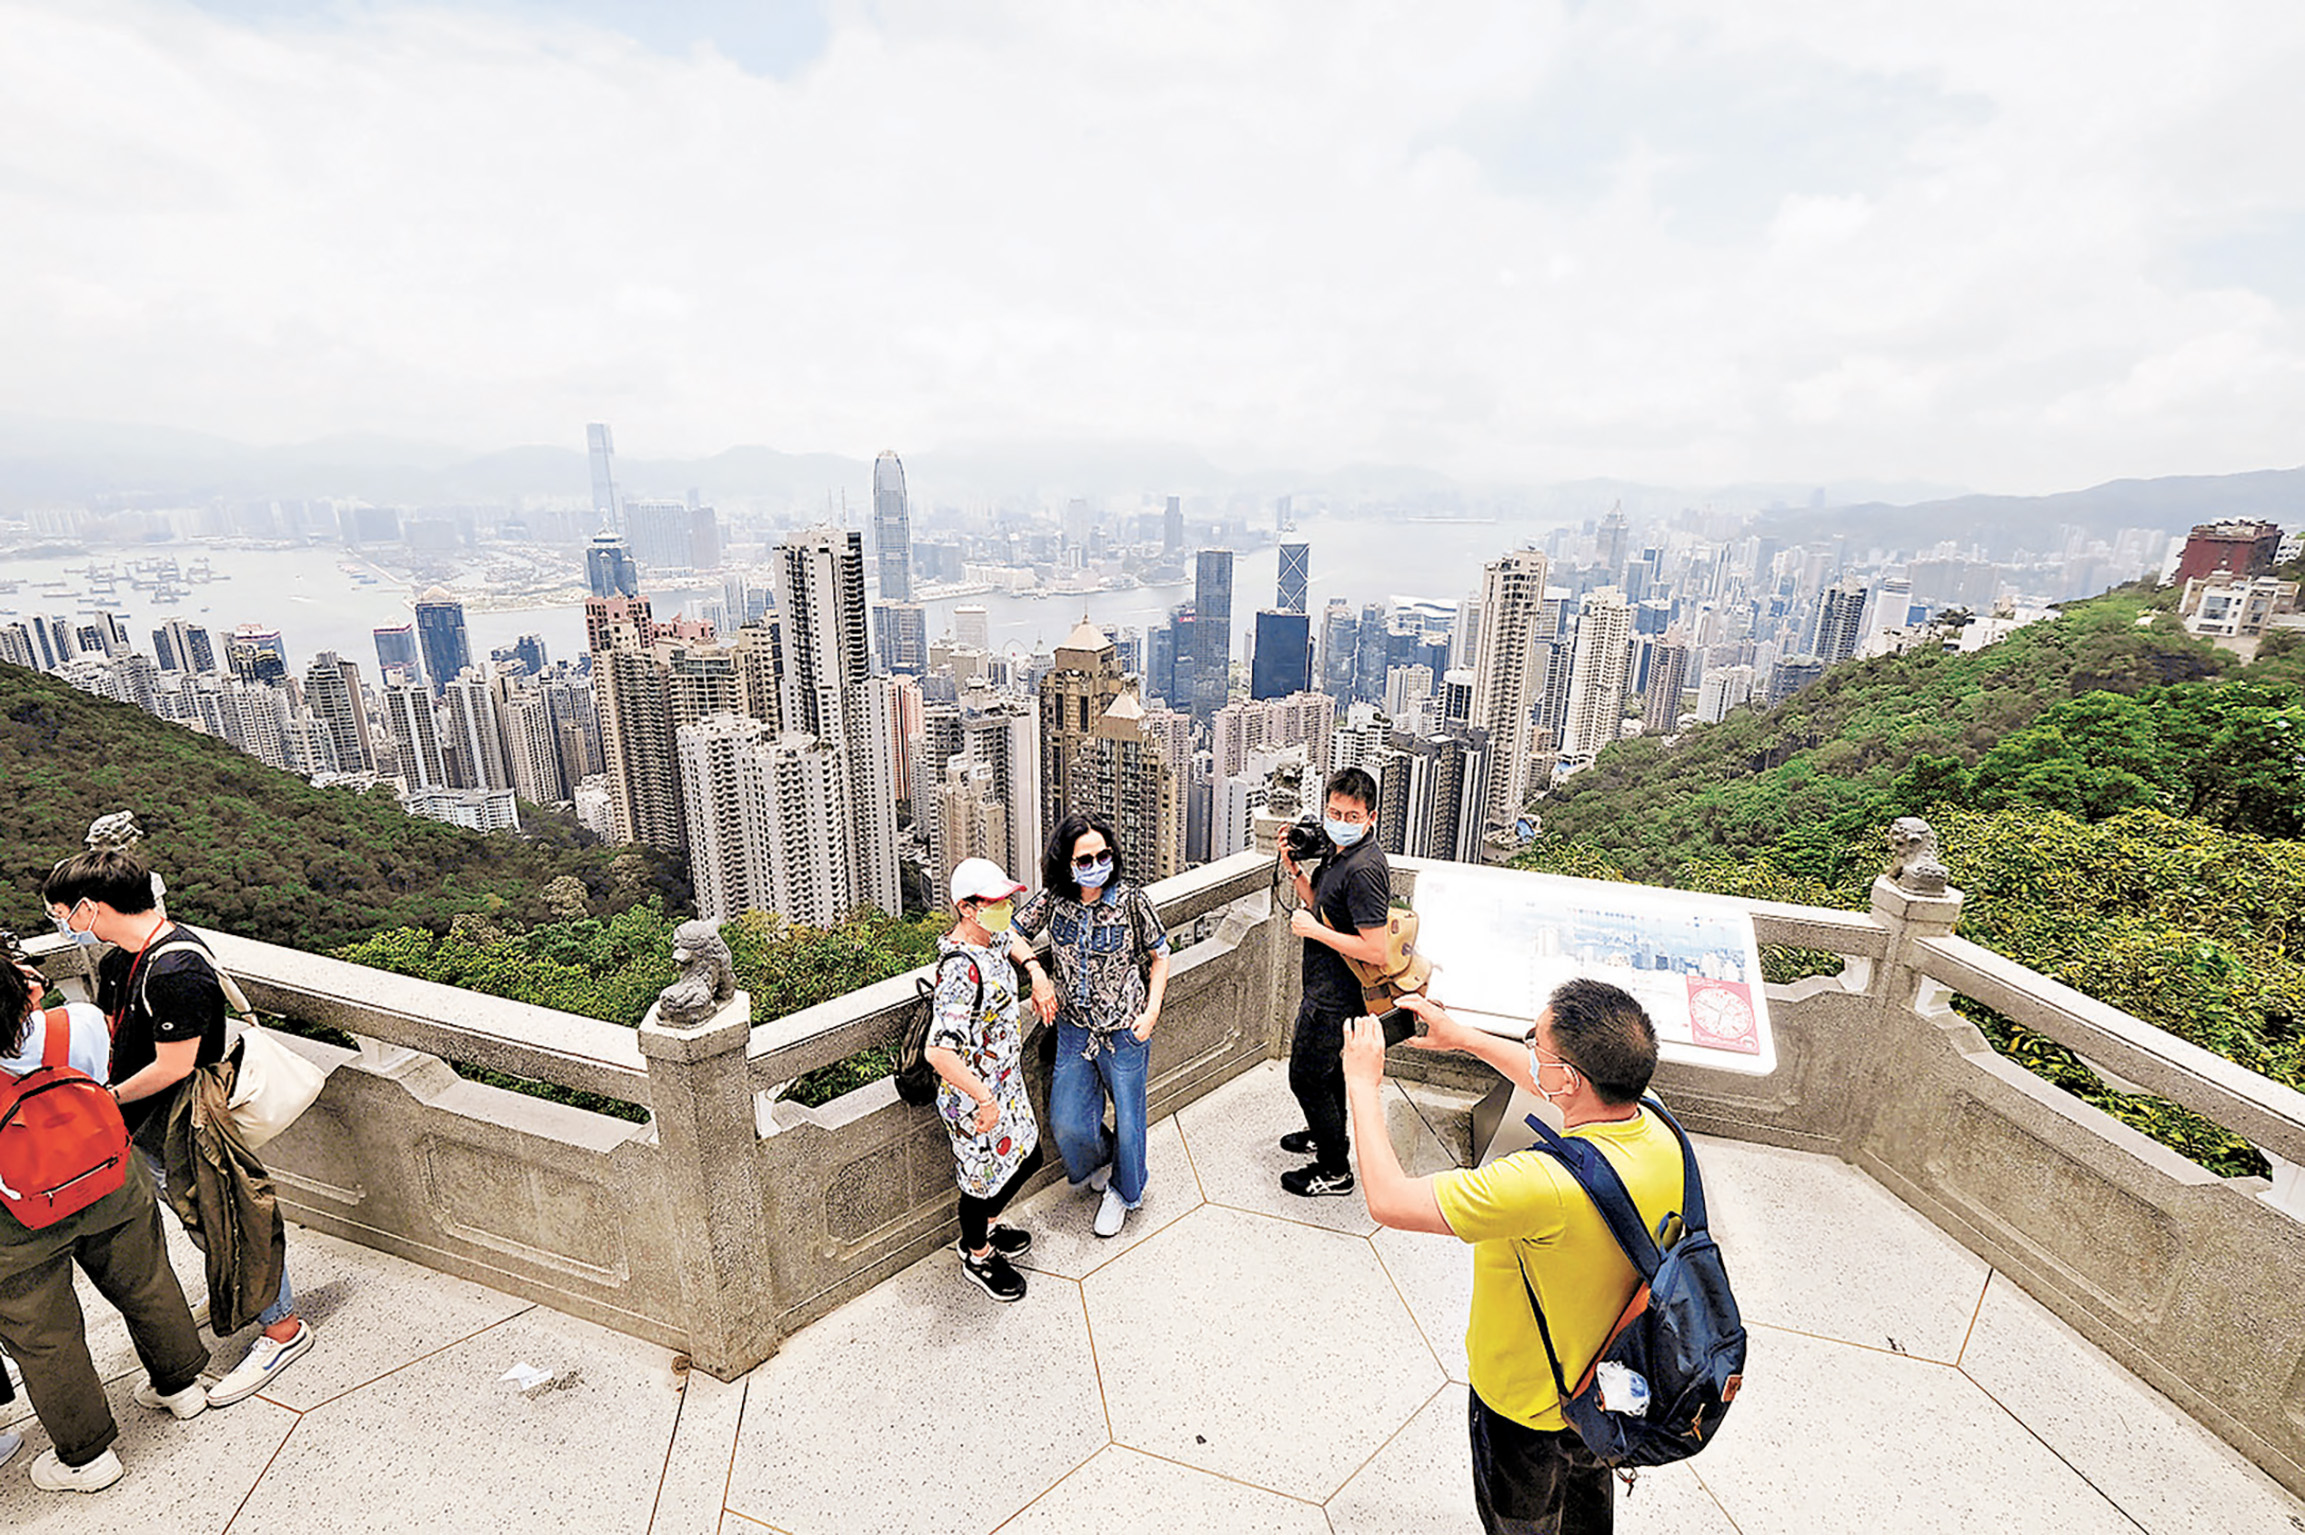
{"type": "Point", "coordinates": [1312, 1182]}
{"type": "Point", "coordinates": [992, 1274]}
{"type": "Point", "coordinates": [1009, 1242]}
{"type": "Point", "coordinates": [1299, 1143]}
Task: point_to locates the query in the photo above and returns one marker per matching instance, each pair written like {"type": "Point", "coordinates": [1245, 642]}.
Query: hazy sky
{"type": "Point", "coordinates": [2020, 246]}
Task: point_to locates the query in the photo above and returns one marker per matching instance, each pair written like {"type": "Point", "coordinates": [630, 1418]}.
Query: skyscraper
{"type": "Point", "coordinates": [440, 635]}
{"type": "Point", "coordinates": [1296, 577]}
{"type": "Point", "coordinates": [1596, 707]}
{"type": "Point", "coordinates": [183, 647]}
{"type": "Point", "coordinates": [474, 736]}
{"type": "Point", "coordinates": [1099, 755]}
{"type": "Point", "coordinates": [396, 651]}
{"type": "Point", "coordinates": [900, 637]}
{"type": "Point", "coordinates": [608, 567]}
{"type": "Point", "coordinates": [332, 691]}
{"type": "Point", "coordinates": [1173, 526]}
{"type": "Point", "coordinates": [1212, 632]}
{"type": "Point", "coordinates": [415, 734]}
{"type": "Point", "coordinates": [1509, 675]}
{"type": "Point", "coordinates": [1613, 538]}
{"type": "Point", "coordinates": [1840, 621]}
{"type": "Point", "coordinates": [1340, 650]}
{"type": "Point", "coordinates": [660, 534]}
{"type": "Point", "coordinates": [257, 654]}
{"type": "Point", "coordinates": [605, 504]}
{"type": "Point", "coordinates": [1283, 662]}
{"type": "Point", "coordinates": [830, 693]}
{"type": "Point", "coordinates": [1668, 680]}
{"type": "Point", "coordinates": [891, 528]}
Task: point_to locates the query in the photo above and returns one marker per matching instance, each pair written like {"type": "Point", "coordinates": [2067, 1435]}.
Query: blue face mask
{"type": "Point", "coordinates": [1094, 876]}
{"type": "Point", "coordinates": [87, 940]}
{"type": "Point", "coordinates": [1344, 833]}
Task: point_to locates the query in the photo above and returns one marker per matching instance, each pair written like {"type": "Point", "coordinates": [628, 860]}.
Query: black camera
{"type": "Point", "coordinates": [1307, 841]}
{"type": "Point", "coordinates": [1400, 1024]}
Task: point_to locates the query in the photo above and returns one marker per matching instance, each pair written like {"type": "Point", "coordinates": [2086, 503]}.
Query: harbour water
{"type": "Point", "coordinates": [316, 603]}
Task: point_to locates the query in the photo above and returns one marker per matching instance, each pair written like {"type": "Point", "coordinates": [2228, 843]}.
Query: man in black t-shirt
{"type": "Point", "coordinates": [1343, 914]}
{"type": "Point", "coordinates": [166, 1004]}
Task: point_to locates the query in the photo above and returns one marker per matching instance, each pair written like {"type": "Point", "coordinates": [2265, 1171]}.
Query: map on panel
{"type": "Point", "coordinates": [1502, 940]}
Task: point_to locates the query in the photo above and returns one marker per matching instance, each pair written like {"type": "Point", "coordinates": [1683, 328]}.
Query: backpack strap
{"type": "Point", "coordinates": [56, 1045]}
{"type": "Point", "coordinates": [1594, 1174]}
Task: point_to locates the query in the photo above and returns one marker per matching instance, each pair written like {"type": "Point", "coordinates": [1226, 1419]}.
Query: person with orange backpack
{"type": "Point", "coordinates": [52, 1065]}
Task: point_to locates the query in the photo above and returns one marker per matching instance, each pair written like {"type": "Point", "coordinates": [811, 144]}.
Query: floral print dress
{"type": "Point", "coordinates": [987, 1039]}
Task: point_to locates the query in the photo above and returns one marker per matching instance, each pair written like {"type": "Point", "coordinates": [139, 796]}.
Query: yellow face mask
{"type": "Point", "coordinates": [995, 919]}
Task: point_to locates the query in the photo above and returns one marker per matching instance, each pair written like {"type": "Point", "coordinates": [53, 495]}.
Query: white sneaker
{"type": "Point", "coordinates": [10, 1443]}
{"type": "Point", "coordinates": [191, 1402]}
{"type": "Point", "coordinates": [266, 1358]}
{"type": "Point", "coordinates": [52, 1475]}
{"type": "Point", "coordinates": [1111, 1214]}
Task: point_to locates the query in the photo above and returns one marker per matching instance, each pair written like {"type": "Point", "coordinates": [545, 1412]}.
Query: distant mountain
{"type": "Point", "coordinates": [2005, 524]}
{"type": "Point", "coordinates": [46, 463]}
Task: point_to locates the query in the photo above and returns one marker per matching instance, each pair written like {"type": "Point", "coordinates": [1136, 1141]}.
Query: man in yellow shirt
{"type": "Point", "coordinates": [1590, 1055]}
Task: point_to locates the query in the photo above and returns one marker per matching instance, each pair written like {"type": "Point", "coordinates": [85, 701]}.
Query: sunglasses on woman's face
{"type": "Point", "coordinates": [1089, 860]}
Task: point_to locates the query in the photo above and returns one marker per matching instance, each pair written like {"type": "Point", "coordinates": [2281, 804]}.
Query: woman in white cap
{"type": "Point", "coordinates": [976, 1046]}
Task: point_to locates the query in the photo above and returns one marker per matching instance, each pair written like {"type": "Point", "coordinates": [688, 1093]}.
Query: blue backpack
{"type": "Point", "coordinates": [1675, 1357]}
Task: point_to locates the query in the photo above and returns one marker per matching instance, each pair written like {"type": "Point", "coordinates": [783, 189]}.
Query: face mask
{"type": "Point", "coordinates": [87, 940]}
{"type": "Point", "coordinates": [1343, 833]}
{"type": "Point", "coordinates": [1094, 876]}
{"type": "Point", "coordinates": [995, 918]}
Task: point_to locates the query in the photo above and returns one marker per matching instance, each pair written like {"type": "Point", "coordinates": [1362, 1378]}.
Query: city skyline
{"type": "Point", "coordinates": [1796, 243]}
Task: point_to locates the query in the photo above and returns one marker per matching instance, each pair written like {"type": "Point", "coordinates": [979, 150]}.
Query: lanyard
{"type": "Point", "coordinates": [136, 966]}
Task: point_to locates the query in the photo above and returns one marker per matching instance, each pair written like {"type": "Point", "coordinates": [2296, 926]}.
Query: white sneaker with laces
{"type": "Point", "coordinates": [191, 1402]}
{"type": "Point", "coordinates": [51, 1475]}
{"type": "Point", "coordinates": [266, 1358]}
{"type": "Point", "coordinates": [1112, 1214]}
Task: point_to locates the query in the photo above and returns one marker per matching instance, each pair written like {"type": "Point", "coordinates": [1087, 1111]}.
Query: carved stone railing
{"type": "Point", "coordinates": [735, 1216]}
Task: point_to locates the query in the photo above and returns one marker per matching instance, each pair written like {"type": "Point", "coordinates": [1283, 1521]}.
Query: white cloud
{"type": "Point", "coordinates": [1810, 240]}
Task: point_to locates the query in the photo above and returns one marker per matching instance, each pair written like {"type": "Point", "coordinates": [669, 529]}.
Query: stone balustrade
{"type": "Point", "coordinates": [735, 1216]}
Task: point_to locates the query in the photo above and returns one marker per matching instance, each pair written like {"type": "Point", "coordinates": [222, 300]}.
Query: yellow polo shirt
{"type": "Point", "coordinates": [1525, 1208]}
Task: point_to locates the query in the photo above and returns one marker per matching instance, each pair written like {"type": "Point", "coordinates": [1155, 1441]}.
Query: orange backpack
{"type": "Point", "coordinates": [63, 1144]}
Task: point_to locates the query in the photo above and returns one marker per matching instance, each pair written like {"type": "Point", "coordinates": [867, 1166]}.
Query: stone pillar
{"type": "Point", "coordinates": [1913, 900]}
{"type": "Point", "coordinates": [700, 1094]}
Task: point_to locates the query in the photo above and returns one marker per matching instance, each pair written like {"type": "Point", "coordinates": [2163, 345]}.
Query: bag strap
{"type": "Point", "coordinates": [1594, 1174]}
{"type": "Point", "coordinates": [181, 937]}
{"type": "Point", "coordinates": [56, 1045]}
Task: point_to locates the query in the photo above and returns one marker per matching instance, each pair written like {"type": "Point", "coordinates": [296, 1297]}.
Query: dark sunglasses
{"type": "Point", "coordinates": [1090, 860]}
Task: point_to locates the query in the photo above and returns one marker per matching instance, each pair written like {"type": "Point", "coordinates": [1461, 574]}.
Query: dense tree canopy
{"type": "Point", "coordinates": [2120, 805]}
{"type": "Point", "coordinates": [255, 851]}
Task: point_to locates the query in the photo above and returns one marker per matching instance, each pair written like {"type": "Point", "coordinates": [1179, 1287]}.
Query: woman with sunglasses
{"type": "Point", "coordinates": [1111, 957]}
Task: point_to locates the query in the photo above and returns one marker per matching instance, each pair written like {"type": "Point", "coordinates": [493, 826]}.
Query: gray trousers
{"type": "Point", "coordinates": [117, 1242]}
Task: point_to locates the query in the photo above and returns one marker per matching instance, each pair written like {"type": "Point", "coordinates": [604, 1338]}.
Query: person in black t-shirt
{"type": "Point", "coordinates": [167, 1009]}
{"type": "Point", "coordinates": [1351, 894]}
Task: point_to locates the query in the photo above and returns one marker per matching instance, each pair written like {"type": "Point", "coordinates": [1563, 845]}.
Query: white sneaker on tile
{"type": "Point", "coordinates": [51, 1475]}
{"type": "Point", "coordinates": [1111, 1214]}
{"type": "Point", "coordinates": [266, 1358]}
{"type": "Point", "coordinates": [191, 1402]}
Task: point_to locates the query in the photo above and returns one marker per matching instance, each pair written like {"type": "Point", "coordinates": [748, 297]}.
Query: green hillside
{"type": "Point", "coordinates": [258, 852]}
{"type": "Point", "coordinates": [2120, 804]}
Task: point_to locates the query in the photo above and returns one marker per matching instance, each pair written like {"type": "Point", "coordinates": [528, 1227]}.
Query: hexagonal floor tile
{"type": "Point", "coordinates": [1121, 1492]}
{"type": "Point", "coordinates": [1262, 1350]}
{"type": "Point", "coordinates": [922, 1406]}
{"type": "Point", "coordinates": [1234, 1137]}
{"type": "Point", "coordinates": [1062, 1218]}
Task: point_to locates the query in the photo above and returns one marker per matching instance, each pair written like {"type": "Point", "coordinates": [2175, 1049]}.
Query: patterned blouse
{"type": "Point", "coordinates": [986, 1038]}
{"type": "Point", "coordinates": [1100, 951]}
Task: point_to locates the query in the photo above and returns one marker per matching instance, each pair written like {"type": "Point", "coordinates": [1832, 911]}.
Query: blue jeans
{"type": "Point", "coordinates": [284, 1305]}
{"type": "Point", "coordinates": [1076, 1098]}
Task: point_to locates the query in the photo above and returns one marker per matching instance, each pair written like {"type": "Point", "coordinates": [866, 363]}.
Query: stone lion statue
{"type": "Point", "coordinates": [1913, 863]}
{"type": "Point", "coordinates": [115, 832]}
{"type": "Point", "coordinates": [707, 979]}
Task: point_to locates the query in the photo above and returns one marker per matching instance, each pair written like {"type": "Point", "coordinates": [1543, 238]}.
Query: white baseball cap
{"type": "Point", "coordinates": [980, 879]}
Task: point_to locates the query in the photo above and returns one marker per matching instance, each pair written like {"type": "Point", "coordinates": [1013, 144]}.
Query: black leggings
{"type": "Point", "coordinates": [976, 1214]}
